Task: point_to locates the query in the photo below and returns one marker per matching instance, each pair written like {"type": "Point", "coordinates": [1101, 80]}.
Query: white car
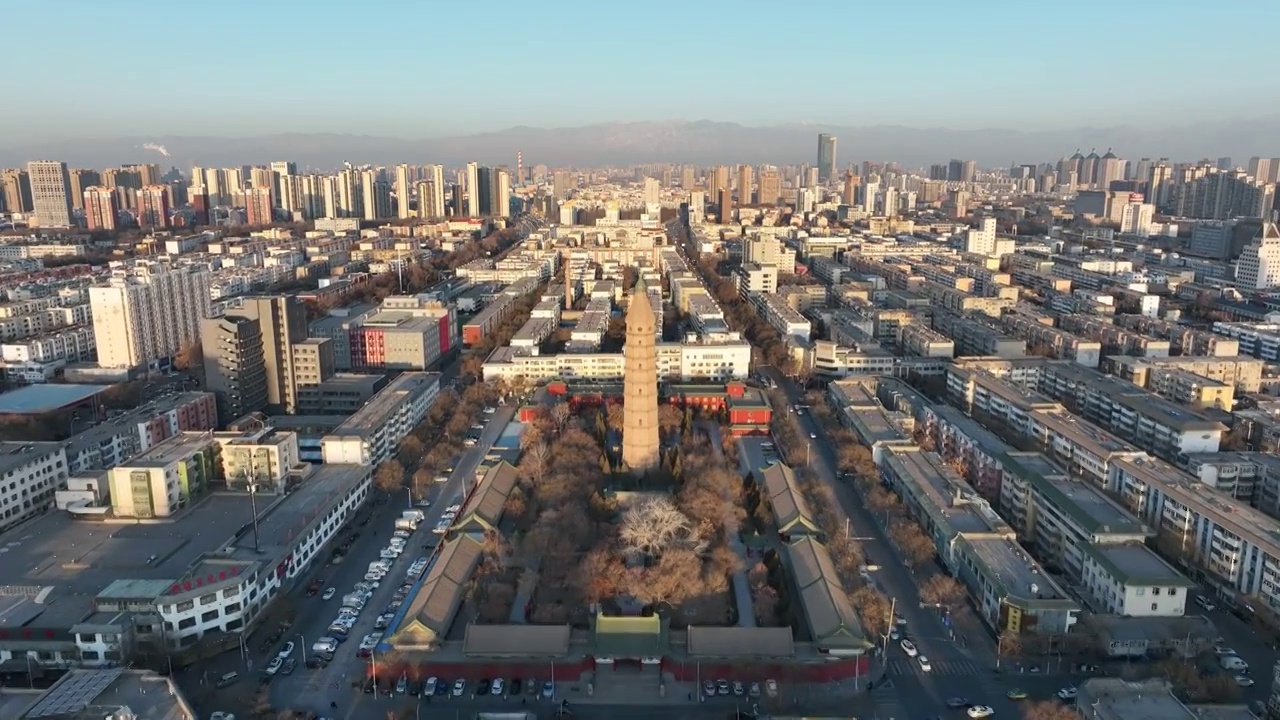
{"type": "Point", "coordinates": [454, 508]}
{"type": "Point", "coordinates": [440, 528]}
{"type": "Point", "coordinates": [1067, 693]}
{"type": "Point", "coordinates": [329, 593]}
{"type": "Point", "coordinates": [771, 688]}
{"type": "Point", "coordinates": [490, 410]}
{"type": "Point", "coordinates": [980, 711]}
{"type": "Point", "coordinates": [286, 651]}
{"type": "Point", "coordinates": [924, 663]}
{"type": "Point", "coordinates": [274, 666]}
{"type": "Point", "coordinates": [909, 648]}
{"type": "Point", "coordinates": [1244, 681]}
{"type": "Point", "coordinates": [459, 687]}
{"type": "Point", "coordinates": [496, 688]}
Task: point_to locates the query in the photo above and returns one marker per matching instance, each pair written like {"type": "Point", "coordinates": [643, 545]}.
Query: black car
{"type": "Point", "coordinates": [315, 662]}
{"type": "Point", "coordinates": [514, 687]}
{"type": "Point", "coordinates": [956, 703]}
{"type": "Point", "coordinates": [368, 686]}
{"type": "Point", "coordinates": [483, 689]}
{"type": "Point", "coordinates": [442, 686]}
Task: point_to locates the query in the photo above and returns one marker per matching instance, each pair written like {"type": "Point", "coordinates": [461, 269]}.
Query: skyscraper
{"type": "Point", "coordinates": [402, 192]}
{"type": "Point", "coordinates": [717, 180]}
{"type": "Point", "coordinates": [652, 191]}
{"type": "Point", "coordinates": [501, 194]}
{"type": "Point", "coordinates": [640, 384]}
{"type": "Point", "coordinates": [1257, 268]}
{"type": "Point", "coordinates": [962, 170]}
{"type": "Point", "coordinates": [283, 323]}
{"type": "Point", "coordinates": [744, 184]}
{"type": "Point", "coordinates": [17, 190]}
{"type": "Point", "coordinates": [826, 157]}
{"type": "Point", "coordinates": [484, 188]}
{"type": "Point", "coordinates": [473, 189]}
{"type": "Point", "coordinates": [82, 180]}
{"type": "Point", "coordinates": [50, 192]}
{"type": "Point", "coordinates": [726, 205]}
{"type": "Point", "coordinates": [258, 206]}
{"type": "Point", "coordinates": [375, 196]}
{"type": "Point", "coordinates": [234, 368]}
{"type": "Point", "coordinates": [849, 194]}
{"type": "Point", "coordinates": [101, 209]}
{"type": "Point", "coordinates": [153, 206]}
{"type": "Point", "coordinates": [769, 188]}
{"type": "Point", "coordinates": [435, 208]}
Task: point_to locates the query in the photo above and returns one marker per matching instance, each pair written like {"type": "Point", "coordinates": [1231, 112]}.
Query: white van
{"type": "Point", "coordinates": [1233, 663]}
{"type": "Point", "coordinates": [325, 645]}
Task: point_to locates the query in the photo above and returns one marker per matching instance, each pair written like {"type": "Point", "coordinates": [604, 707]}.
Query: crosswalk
{"type": "Point", "coordinates": [951, 668]}
{"type": "Point", "coordinates": [885, 700]}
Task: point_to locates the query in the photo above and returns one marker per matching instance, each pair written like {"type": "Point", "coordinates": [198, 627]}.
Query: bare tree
{"type": "Point", "coordinates": [874, 608]}
{"type": "Point", "coordinates": [652, 527]}
{"type": "Point", "coordinates": [561, 414]}
{"type": "Point", "coordinates": [389, 475]}
{"type": "Point", "coordinates": [1009, 644]}
{"type": "Point", "coordinates": [1048, 710]}
{"type": "Point", "coordinates": [916, 547]}
{"type": "Point", "coordinates": [941, 590]}
{"type": "Point", "coordinates": [533, 463]}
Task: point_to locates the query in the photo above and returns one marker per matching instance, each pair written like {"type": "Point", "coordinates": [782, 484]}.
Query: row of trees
{"type": "Point", "coordinates": [771, 347]}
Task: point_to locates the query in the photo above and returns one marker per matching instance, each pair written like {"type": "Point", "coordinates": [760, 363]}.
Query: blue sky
{"type": "Point", "coordinates": [438, 67]}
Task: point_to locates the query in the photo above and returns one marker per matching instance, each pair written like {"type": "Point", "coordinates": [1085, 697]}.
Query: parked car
{"type": "Point", "coordinates": [497, 687]}
{"type": "Point", "coordinates": [274, 666]}
{"type": "Point", "coordinates": [329, 593]}
{"type": "Point", "coordinates": [289, 666]}
{"type": "Point", "coordinates": [771, 687]}
{"type": "Point", "coordinates": [981, 711]}
{"type": "Point", "coordinates": [482, 687]}
{"type": "Point", "coordinates": [287, 650]}
{"type": "Point", "coordinates": [548, 689]}
{"type": "Point", "coordinates": [709, 688]}
{"type": "Point", "coordinates": [956, 703]}
{"type": "Point", "coordinates": [402, 685]}
{"type": "Point", "coordinates": [429, 687]}
{"type": "Point", "coordinates": [1067, 693]}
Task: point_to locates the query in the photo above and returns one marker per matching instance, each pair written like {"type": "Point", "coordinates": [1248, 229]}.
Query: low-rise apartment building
{"type": "Point", "coordinates": [1057, 342]}
{"type": "Point", "coordinates": [756, 279]}
{"type": "Point", "coordinates": [372, 434]}
{"type": "Point", "coordinates": [30, 475]}
{"type": "Point", "coordinates": [1185, 341]}
{"type": "Point", "coordinates": [790, 324]}
{"type": "Point", "coordinates": [1244, 373]}
{"type": "Point", "coordinates": [972, 337]}
{"type": "Point", "coordinates": [718, 361]}
{"type": "Point", "coordinates": [1230, 547]}
{"type": "Point", "coordinates": [1253, 477]}
{"type": "Point", "coordinates": [920, 341]}
{"type": "Point", "coordinates": [1130, 580]}
{"type": "Point", "coordinates": [119, 438]}
{"type": "Point", "coordinates": [1010, 589]}
{"type": "Point", "coordinates": [1260, 340]}
{"type": "Point", "coordinates": [165, 479]}
{"type": "Point", "coordinates": [1115, 340]}
{"type": "Point", "coordinates": [1150, 422]}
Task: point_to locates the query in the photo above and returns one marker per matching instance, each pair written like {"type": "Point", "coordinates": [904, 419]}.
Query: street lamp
{"type": "Point", "coordinates": [409, 489]}
{"type": "Point", "coordinates": [304, 648]}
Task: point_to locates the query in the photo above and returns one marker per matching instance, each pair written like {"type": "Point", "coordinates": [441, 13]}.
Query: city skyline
{"type": "Point", "coordinates": [568, 65]}
{"type": "Point", "coordinates": [687, 142]}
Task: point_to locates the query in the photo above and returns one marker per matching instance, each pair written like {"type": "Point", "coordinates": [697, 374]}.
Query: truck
{"type": "Point", "coordinates": [406, 524]}
{"type": "Point", "coordinates": [415, 515]}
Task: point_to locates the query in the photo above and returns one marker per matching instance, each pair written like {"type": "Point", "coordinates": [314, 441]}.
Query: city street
{"type": "Point", "coordinates": [315, 689]}
{"type": "Point", "coordinates": [965, 669]}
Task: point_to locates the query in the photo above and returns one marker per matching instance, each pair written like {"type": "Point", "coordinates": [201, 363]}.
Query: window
{"type": "Point", "coordinates": [90, 655]}
{"type": "Point", "coordinates": [209, 616]}
{"type": "Point", "coordinates": [1141, 591]}
{"type": "Point", "coordinates": [1155, 591]}
{"type": "Point", "coordinates": [184, 606]}
{"type": "Point", "coordinates": [186, 623]}
{"type": "Point", "coordinates": [1154, 606]}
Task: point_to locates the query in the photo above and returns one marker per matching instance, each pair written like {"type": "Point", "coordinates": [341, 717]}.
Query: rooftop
{"type": "Point", "coordinates": [1115, 699]}
{"type": "Point", "coordinates": [293, 514]}
{"type": "Point", "coordinates": [96, 435]}
{"type": "Point", "coordinates": [942, 493]}
{"type": "Point", "coordinates": [1016, 572]}
{"type": "Point", "coordinates": [1083, 433]}
{"type": "Point", "coordinates": [98, 693]}
{"type": "Point", "coordinates": [1090, 507]}
{"type": "Point", "coordinates": [43, 398]}
{"type": "Point", "coordinates": [76, 559]}
{"type": "Point", "coordinates": [16, 454]}
{"type": "Point", "coordinates": [386, 402]}
{"type": "Point", "coordinates": [178, 447]}
{"type": "Point", "coordinates": [1135, 564]}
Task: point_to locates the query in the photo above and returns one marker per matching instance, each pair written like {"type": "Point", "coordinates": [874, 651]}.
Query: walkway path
{"type": "Point", "coordinates": [741, 587]}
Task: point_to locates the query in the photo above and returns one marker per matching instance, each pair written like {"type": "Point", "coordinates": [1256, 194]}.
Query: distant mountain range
{"type": "Point", "coordinates": [702, 142]}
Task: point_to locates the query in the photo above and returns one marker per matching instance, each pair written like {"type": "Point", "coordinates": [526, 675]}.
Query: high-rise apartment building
{"type": "Point", "coordinates": [82, 180]}
{"type": "Point", "coordinates": [435, 202]}
{"type": "Point", "coordinates": [688, 177]}
{"type": "Point", "coordinates": [147, 173]}
{"type": "Point", "coordinates": [258, 206]}
{"type": "Point", "coordinates": [1265, 170]}
{"type": "Point", "coordinates": [744, 184]}
{"type": "Point", "coordinates": [153, 208]}
{"type": "Point", "coordinates": [235, 370]}
{"type": "Point", "coordinates": [849, 194]}
{"type": "Point", "coordinates": [485, 188]}
{"type": "Point", "coordinates": [403, 183]}
{"type": "Point", "coordinates": [826, 157]}
{"type": "Point", "coordinates": [1258, 267]}
{"type": "Point", "coordinates": [1136, 218]}
{"type": "Point", "coordinates": [1109, 169]}
{"type": "Point", "coordinates": [769, 189]}
{"type": "Point", "coordinates": [1216, 195]}
{"type": "Point", "coordinates": [982, 240]}
{"type": "Point", "coordinates": [473, 189]}
{"type": "Point", "coordinates": [17, 190]}
{"type": "Point", "coordinates": [50, 192]}
{"type": "Point", "coordinates": [148, 313]}
{"type": "Point", "coordinates": [501, 196]}
{"type": "Point", "coordinates": [726, 205]}
{"type": "Point", "coordinates": [376, 196]}
{"type": "Point", "coordinates": [652, 191]}
{"type": "Point", "coordinates": [101, 208]}
{"type": "Point", "coordinates": [562, 182]}
{"type": "Point", "coordinates": [962, 170]}
{"type": "Point", "coordinates": [282, 320]}
{"type": "Point", "coordinates": [717, 180]}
